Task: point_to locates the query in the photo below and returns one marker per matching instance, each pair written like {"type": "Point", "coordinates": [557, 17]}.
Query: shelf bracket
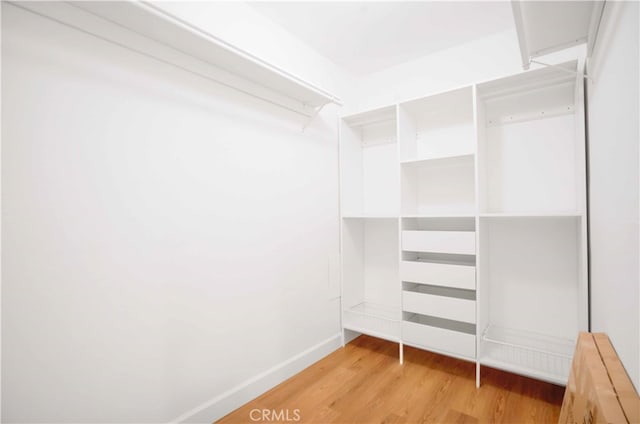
{"type": "Point", "coordinates": [585, 76]}
{"type": "Point", "coordinates": [315, 113]}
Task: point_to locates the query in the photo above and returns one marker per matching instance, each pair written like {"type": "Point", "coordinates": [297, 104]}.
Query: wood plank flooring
{"type": "Point", "coordinates": [364, 383]}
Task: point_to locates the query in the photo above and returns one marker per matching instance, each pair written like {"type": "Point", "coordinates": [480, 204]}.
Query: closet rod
{"type": "Point", "coordinates": [166, 62]}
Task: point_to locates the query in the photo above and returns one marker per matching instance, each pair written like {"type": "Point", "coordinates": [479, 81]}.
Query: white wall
{"type": "Point", "coordinates": [244, 27]}
{"type": "Point", "coordinates": [165, 240]}
{"type": "Point", "coordinates": [490, 57]}
{"type": "Point", "coordinates": [613, 127]}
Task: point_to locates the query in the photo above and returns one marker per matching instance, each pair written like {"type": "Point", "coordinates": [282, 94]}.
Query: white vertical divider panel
{"type": "Point", "coordinates": [340, 229]}
{"type": "Point", "coordinates": [351, 176]}
{"type": "Point", "coordinates": [476, 134]}
{"type": "Point", "coordinates": [581, 190]}
{"type": "Point", "coordinates": [406, 135]}
{"type": "Point", "coordinates": [401, 121]}
{"type": "Point", "coordinates": [481, 153]}
{"type": "Point", "coordinates": [407, 149]}
{"type": "Point", "coordinates": [353, 257]}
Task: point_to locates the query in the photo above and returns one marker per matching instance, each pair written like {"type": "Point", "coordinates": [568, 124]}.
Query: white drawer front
{"type": "Point", "coordinates": [439, 339]}
{"type": "Point", "coordinates": [458, 242]}
{"type": "Point", "coordinates": [439, 306]}
{"type": "Point", "coordinates": [459, 276]}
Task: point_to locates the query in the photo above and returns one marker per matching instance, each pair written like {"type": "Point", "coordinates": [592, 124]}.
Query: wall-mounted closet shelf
{"type": "Point", "coordinates": [545, 27]}
{"type": "Point", "coordinates": [148, 30]}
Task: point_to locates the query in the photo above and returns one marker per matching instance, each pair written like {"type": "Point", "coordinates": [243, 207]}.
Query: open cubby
{"type": "Point", "coordinates": [439, 224]}
{"type": "Point", "coordinates": [437, 126]}
{"type": "Point", "coordinates": [530, 285]}
{"type": "Point", "coordinates": [439, 187]}
{"type": "Point", "coordinates": [371, 290]}
{"type": "Point", "coordinates": [531, 144]}
{"type": "Point", "coordinates": [369, 164]}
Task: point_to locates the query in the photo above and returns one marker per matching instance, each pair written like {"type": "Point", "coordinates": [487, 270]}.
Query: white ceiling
{"type": "Point", "coordinates": [364, 37]}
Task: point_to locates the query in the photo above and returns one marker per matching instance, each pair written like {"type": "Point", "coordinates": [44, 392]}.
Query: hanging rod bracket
{"type": "Point", "coordinates": [585, 76]}
{"type": "Point", "coordinates": [315, 113]}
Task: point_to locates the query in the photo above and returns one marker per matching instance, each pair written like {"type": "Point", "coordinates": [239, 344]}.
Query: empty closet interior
{"type": "Point", "coordinates": [179, 178]}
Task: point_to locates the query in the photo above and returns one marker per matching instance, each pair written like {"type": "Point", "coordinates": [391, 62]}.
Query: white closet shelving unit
{"type": "Point", "coordinates": [532, 232]}
{"type": "Point", "coordinates": [370, 207]}
{"type": "Point", "coordinates": [464, 218]}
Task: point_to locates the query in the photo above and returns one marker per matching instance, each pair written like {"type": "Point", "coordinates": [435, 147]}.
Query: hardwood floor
{"type": "Point", "coordinates": [364, 383]}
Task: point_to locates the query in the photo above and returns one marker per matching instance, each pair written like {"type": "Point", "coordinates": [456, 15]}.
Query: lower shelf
{"type": "Point", "coordinates": [452, 338]}
{"type": "Point", "coordinates": [533, 355]}
{"type": "Point", "coordinates": [373, 319]}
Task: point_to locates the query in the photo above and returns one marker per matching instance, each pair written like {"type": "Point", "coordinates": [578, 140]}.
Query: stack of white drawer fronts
{"type": "Point", "coordinates": [439, 285]}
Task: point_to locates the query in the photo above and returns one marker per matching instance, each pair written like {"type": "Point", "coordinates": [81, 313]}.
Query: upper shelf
{"type": "Point", "coordinates": [548, 26]}
{"type": "Point", "coordinates": [552, 76]}
{"type": "Point", "coordinates": [375, 116]}
{"type": "Point", "coordinates": [153, 32]}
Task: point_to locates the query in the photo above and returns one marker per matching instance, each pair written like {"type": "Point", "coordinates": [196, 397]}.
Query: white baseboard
{"type": "Point", "coordinates": [237, 396]}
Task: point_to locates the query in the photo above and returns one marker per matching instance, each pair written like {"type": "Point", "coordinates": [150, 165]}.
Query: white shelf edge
{"type": "Point", "coordinates": [441, 262]}
{"type": "Point", "coordinates": [372, 116]}
{"type": "Point", "coordinates": [531, 215]}
{"type": "Point", "coordinates": [369, 332]}
{"type": "Point", "coordinates": [443, 215]}
{"type": "Point", "coordinates": [527, 81]}
{"type": "Point", "coordinates": [376, 312]}
{"type": "Point", "coordinates": [386, 309]}
{"type": "Point", "coordinates": [438, 159]}
{"type": "Point", "coordinates": [440, 352]}
{"type": "Point", "coordinates": [370, 216]}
